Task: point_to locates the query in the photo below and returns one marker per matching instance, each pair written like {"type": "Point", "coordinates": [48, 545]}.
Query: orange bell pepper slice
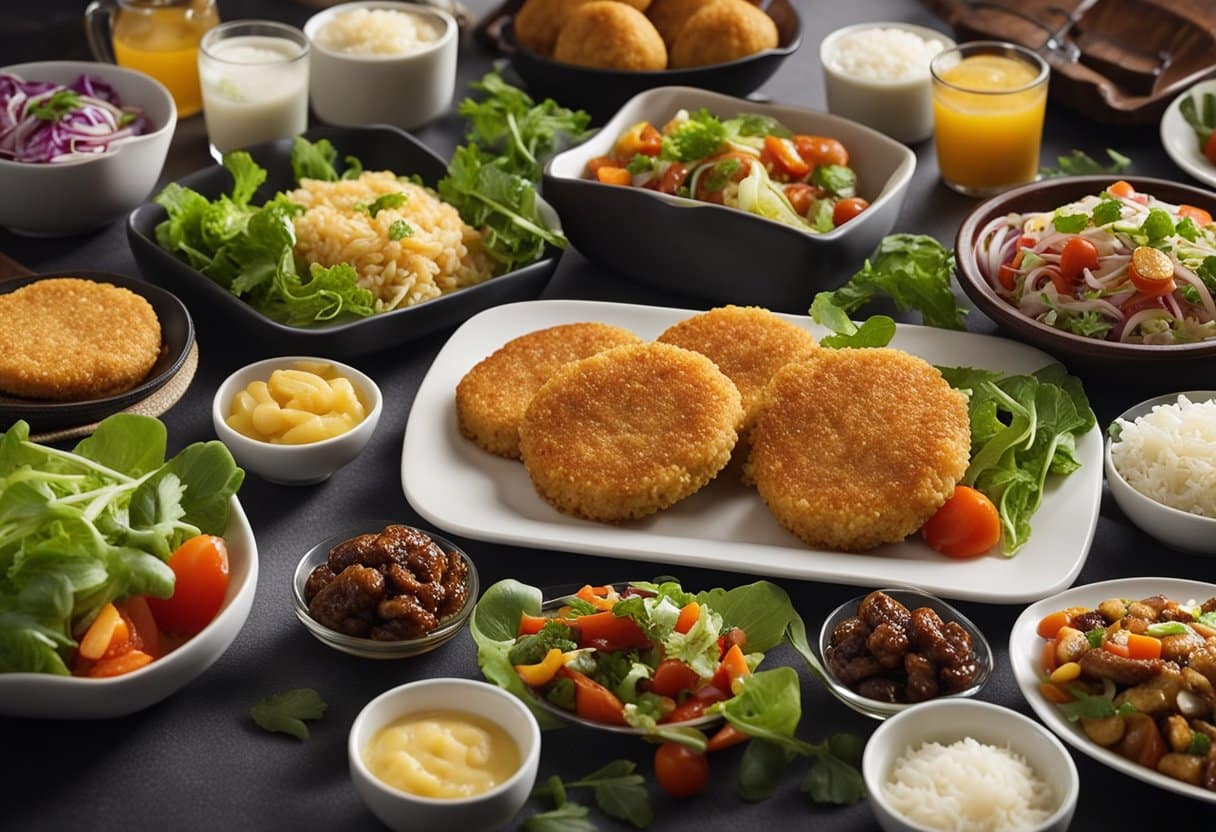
{"type": "Point", "coordinates": [731, 670]}
{"type": "Point", "coordinates": [592, 700]}
{"type": "Point", "coordinates": [688, 617]}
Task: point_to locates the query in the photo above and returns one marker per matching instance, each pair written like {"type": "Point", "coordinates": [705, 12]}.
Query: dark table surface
{"type": "Point", "coordinates": [196, 761]}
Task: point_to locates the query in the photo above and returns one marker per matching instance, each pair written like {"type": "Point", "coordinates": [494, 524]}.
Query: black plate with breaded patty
{"type": "Point", "coordinates": [177, 336]}
{"type": "Point", "coordinates": [379, 148]}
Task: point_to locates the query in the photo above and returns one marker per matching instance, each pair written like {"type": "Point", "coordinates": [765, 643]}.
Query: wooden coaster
{"type": "Point", "coordinates": [155, 405]}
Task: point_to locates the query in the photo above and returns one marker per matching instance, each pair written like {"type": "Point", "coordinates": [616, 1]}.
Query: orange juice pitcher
{"type": "Point", "coordinates": [159, 37]}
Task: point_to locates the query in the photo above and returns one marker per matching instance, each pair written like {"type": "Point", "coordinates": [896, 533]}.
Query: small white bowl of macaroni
{"type": "Point", "coordinates": [403, 745]}
{"type": "Point", "coordinates": [294, 420]}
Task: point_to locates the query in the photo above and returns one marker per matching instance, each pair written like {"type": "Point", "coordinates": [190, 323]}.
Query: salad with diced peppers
{"type": "Point", "coordinates": [750, 162]}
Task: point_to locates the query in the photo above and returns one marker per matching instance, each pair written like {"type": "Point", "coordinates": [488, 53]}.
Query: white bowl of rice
{"type": "Point", "coordinates": [878, 74]}
{"type": "Point", "coordinates": [960, 765]}
{"type": "Point", "coordinates": [1161, 468]}
{"type": "Point", "coordinates": [382, 62]}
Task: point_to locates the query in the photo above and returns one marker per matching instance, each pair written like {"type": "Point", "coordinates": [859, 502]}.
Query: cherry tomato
{"type": "Point", "coordinates": [673, 178]}
{"type": "Point", "coordinates": [967, 525]}
{"type": "Point", "coordinates": [801, 196]}
{"type": "Point", "coordinates": [640, 138]}
{"type": "Point", "coordinates": [846, 209]}
{"type": "Point", "coordinates": [821, 151]}
{"type": "Point", "coordinates": [672, 677]}
{"type": "Point", "coordinates": [1079, 254]}
{"type": "Point", "coordinates": [681, 772]}
{"type": "Point", "coordinates": [695, 705]}
{"type": "Point", "coordinates": [1151, 271]}
{"type": "Point", "coordinates": [785, 157]}
{"type": "Point", "coordinates": [201, 569]}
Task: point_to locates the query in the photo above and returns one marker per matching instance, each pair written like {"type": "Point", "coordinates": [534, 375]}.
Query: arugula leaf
{"type": "Point", "coordinates": [838, 180]}
{"type": "Point", "coordinates": [769, 707]}
{"type": "Point", "coordinates": [914, 270]}
{"type": "Point", "coordinates": [285, 712]}
{"type": "Point", "coordinates": [1079, 163]}
{"type": "Point", "coordinates": [761, 769]}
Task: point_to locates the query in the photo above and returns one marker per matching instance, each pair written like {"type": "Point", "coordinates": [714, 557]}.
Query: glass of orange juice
{"type": "Point", "coordinates": [988, 104]}
{"type": "Point", "coordinates": [159, 37]}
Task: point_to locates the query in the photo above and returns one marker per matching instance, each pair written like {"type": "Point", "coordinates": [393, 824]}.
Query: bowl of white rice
{"type": "Point", "coordinates": [1161, 468]}
{"type": "Point", "coordinates": [878, 74]}
{"type": "Point", "coordinates": [382, 62]}
{"type": "Point", "coordinates": [966, 766]}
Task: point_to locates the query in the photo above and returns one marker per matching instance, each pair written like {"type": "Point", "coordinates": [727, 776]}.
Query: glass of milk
{"type": "Point", "coordinates": [254, 77]}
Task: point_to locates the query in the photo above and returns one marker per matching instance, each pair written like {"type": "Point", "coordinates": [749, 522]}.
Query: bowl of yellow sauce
{"type": "Point", "coordinates": [444, 754]}
{"type": "Point", "coordinates": [294, 420]}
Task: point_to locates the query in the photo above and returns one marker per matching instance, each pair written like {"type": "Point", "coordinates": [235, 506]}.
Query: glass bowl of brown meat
{"type": "Point", "coordinates": [390, 594]}
{"type": "Point", "coordinates": [888, 650]}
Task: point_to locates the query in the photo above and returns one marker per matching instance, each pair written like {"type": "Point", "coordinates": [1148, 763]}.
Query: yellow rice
{"type": "Point", "coordinates": [441, 255]}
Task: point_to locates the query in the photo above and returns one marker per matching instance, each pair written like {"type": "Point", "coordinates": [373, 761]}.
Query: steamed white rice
{"type": "Point", "coordinates": [968, 787]}
{"type": "Point", "coordinates": [1169, 455]}
{"type": "Point", "coordinates": [441, 253]}
{"type": "Point", "coordinates": [378, 32]}
{"type": "Point", "coordinates": [884, 55]}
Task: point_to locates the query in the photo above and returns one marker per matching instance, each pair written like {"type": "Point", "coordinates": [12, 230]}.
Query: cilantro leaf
{"type": "Point", "coordinates": [285, 712]}
{"type": "Point", "coordinates": [1079, 163]}
{"type": "Point", "coordinates": [838, 180]}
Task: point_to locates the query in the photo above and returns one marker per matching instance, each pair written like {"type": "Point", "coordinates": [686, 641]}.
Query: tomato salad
{"type": "Point", "coordinates": [750, 162]}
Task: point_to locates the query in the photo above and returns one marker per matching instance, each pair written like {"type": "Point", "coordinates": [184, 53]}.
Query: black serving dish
{"type": "Point", "coordinates": [379, 148]}
{"type": "Point", "coordinates": [602, 91]}
{"type": "Point", "coordinates": [177, 336]}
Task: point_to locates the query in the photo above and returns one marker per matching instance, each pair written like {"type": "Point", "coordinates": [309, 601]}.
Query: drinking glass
{"type": "Point", "coordinates": [254, 76]}
{"type": "Point", "coordinates": [158, 37]}
{"type": "Point", "coordinates": [989, 99]}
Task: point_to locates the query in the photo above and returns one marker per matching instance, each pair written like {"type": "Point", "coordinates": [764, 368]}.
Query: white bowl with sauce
{"type": "Point", "coordinates": [403, 810]}
{"type": "Point", "coordinates": [947, 721]}
{"type": "Point", "coordinates": [406, 88]}
{"type": "Point", "coordinates": [303, 464]}
{"type": "Point", "coordinates": [900, 107]}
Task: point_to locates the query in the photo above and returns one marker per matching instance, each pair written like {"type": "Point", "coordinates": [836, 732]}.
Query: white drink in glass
{"type": "Point", "coordinates": [255, 84]}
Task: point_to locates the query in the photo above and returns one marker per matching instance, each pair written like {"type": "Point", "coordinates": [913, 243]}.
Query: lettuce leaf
{"type": "Point", "coordinates": [82, 528]}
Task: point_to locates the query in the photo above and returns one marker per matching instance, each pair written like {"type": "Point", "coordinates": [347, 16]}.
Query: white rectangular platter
{"type": "Point", "coordinates": [466, 491]}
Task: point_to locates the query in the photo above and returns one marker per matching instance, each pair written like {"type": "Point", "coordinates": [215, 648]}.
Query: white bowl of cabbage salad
{"type": "Point", "coordinates": [958, 765]}
{"type": "Point", "coordinates": [1161, 468]}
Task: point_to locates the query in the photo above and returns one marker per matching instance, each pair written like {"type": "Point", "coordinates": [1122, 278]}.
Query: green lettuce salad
{"type": "Point", "coordinates": [85, 527]}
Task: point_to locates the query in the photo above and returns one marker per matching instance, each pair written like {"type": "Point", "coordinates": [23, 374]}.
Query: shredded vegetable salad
{"type": "Point", "coordinates": [750, 162]}
{"type": "Point", "coordinates": [45, 122]}
{"type": "Point", "coordinates": [1117, 266]}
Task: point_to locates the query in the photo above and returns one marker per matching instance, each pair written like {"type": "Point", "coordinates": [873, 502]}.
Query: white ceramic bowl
{"type": "Point", "coordinates": [294, 464]}
{"type": "Point", "coordinates": [403, 811]}
{"type": "Point", "coordinates": [404, 90]}
{"type": "Point", "coordinates": [902, 109]}
{"type": "Point", "coordinates": [1176, 528]}
{"type": "Point", "coordinates": [44, 696]}
{"type": "Point", "coordinates": [949, 720]}
{"type": "Point", "coordinates": [64, 198]}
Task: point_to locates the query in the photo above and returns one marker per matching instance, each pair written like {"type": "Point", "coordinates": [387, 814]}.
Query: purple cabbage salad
{"type": "Point", "coordinates": [43, 122]}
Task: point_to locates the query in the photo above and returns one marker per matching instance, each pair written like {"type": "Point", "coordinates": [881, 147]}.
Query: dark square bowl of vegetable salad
{"type": "Point", "coordinates": [1105, 274]}
{"type": "Point", "coordinates": [729, 200]}
{"type": "Point", "coordinates": [246, 240]}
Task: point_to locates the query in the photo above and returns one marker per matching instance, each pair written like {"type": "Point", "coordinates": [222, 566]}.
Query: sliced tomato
{"type": "Point", "coordinates": [785, 156]}
{"type": "Point", "coordinates": [731, 670]}
{"type": "Point", "coordinates": [801, 196]}
{"type": "Point", "coordinates": [695, 705]}
{"type": "Point", "coordinates": [847, 209]}
{"type": "Point", "coordinates": [592, 700]}
{"type": "Point", "coordinates": [672, 677]}
{"type": "Point", "coordinates": [200, 568]}
{"type": "Point", "coordinates": [137, 611]}
{"type": "Point", "coordinates": [1151, 271]}
{"type": "Point", "coordinates": [819, 150]}
{"type": "Point", "coordinates": [1078, 254]}
{"type": "Point", "coordinates": [673, 178]}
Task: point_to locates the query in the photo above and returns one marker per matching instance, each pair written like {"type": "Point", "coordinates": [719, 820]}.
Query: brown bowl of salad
{"type": "Point", "coordinates": [1099, 272]}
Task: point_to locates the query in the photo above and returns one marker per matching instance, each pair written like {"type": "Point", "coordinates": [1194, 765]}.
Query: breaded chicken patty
{"type": "Point", "coordinates": [857, 447]}
{"type": "Point", "coordinates": [492, 397]}
{"type": "Point", "coordinates": [747, 343]}
{"type": "Point", "coordinates": [68, 339]}
{"type": "Point", "coordinates": [629, 431]}
{"type": "Point", "coordinates": [610, 35]}
{"type": "Point", "coordinates": [723, 31]}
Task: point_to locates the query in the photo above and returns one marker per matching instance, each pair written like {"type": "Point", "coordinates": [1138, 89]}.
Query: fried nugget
{"type": "Point", "coordinates": [538, 21]}
{"type": "Point", "coordinates": [747, 343]}
{"type": "Point", "coordinates": [723, 31]}
{"type": "Point", "coordinates": [610, 35]}
{"type": "Point", "coordinates": [492, 397]}
{"type": "Point", "coordinates": [857, 447]}
{"type": "Point", "coordinates": [68, 339]}
{"type": "Point", "coordinates": [629, 431]}
{"type": "Point", "coordinates": [669, 16]}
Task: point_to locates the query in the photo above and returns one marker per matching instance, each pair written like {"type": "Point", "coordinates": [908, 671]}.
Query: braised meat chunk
{"type": "Point", "coordinates": [393, 585]}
